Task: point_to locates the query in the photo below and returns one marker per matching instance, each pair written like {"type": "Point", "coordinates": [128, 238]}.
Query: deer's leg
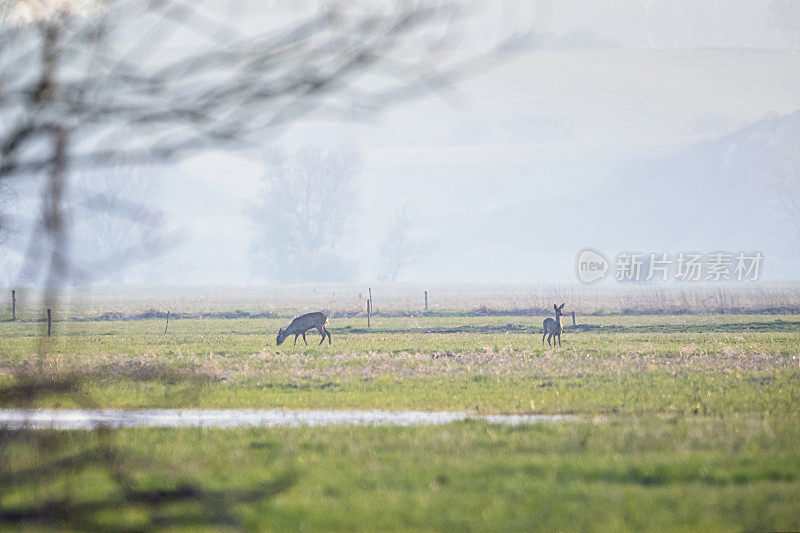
{"type": "Point", "coordinates": [543, 336]}
{"type": "Point", "coordinates": [295, 339]}
{"type": "Point", "coordinates": [550, 336]}
{"type": "Point", "coordinates": [328, 333]}
{"type": "Point", "coordinates": [304, 338]}
{"type": "Point", "coordinates": [559, 340]}
{"type": "Point", "coordinates": [321, 330]}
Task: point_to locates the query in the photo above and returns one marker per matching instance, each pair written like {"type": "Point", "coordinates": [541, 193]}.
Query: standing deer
{"type": "Point", "coordinates": [553, 328]}
{"type": "Point", "coordinates": [303, 323]}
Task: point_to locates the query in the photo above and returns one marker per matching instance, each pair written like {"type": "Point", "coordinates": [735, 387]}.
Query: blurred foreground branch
{"type": "Point", "coordinates": [88, 84]}
{"type": "Point", "coordinates": [128, 82]}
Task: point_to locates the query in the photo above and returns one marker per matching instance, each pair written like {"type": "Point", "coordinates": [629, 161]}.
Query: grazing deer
{"type": "Point", "coordinates": [303, 323]}
{"type": "Point", "coordinates": [553, 328]}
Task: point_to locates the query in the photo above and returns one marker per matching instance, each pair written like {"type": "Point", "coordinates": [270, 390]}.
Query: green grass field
{"type": "Point", "coordinates": [700, 426]}
{"type": "Point", "coordinates": [619, 365]}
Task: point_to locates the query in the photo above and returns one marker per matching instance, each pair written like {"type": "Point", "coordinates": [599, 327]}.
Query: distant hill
{"type": "Point", "coordinates": [728, 194]}
{"type": "Point", "coordinates": [716, 195]}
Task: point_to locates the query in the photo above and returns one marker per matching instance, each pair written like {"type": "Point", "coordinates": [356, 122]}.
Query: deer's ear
{"type": "Point", "coordinates": [555, 306]}
{"type": "Point", "coordinates": [561, 306]}
{"type": "Point", "coordinates": [280, 330]}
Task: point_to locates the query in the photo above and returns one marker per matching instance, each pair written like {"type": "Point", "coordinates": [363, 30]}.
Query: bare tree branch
{"type": "Point", "coordinates": [87, 85]}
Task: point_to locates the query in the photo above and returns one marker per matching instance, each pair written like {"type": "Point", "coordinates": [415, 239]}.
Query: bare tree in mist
{"type": "Point", "coordinates": [309, 200]}
{"type": "Point", "coordinates": [398, 250]}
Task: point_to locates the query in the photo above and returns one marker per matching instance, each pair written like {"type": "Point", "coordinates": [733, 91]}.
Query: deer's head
{"type": "Point", "coordinates": [281, 336]}
{"type": "Point", "coordinates": [558, 309]}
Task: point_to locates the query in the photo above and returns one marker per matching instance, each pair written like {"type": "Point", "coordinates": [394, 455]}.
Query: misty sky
{"type": "Point", "coordinates": [508, 174]}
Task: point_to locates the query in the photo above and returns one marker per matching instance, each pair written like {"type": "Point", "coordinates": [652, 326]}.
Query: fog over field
{"type": "Point", "coordinates": [247, 246]}
{"type": "Point", "coordinates": [650, 127]}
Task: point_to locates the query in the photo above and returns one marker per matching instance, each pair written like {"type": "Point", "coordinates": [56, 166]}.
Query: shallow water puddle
{"type": "Point", "coordinates": [231, 418]}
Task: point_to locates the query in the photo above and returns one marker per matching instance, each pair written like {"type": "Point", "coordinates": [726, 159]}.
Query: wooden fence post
{"type": "Point", "coordinates": [48, 322]}
{"type": "Point", "coordinates": [13, 305]}
{"type": "Point", "coordinates": [426, 300]}
{"type": "Point", "coordinates": [573, 318]}
{"type": "Point", "coordinates": [369, 310]}
{"type": "Point", "coordinates": [167, 325]}
{"type": "Point", "coordinates": [370, 300]}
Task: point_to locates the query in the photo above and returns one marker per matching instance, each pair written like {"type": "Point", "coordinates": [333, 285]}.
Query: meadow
{"type": "Point", "coordinates": [687, 421]}
{"type": "Point", "coordinates": [738, 473]}
{"type": "Point", "coordinates": [644, 365]}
